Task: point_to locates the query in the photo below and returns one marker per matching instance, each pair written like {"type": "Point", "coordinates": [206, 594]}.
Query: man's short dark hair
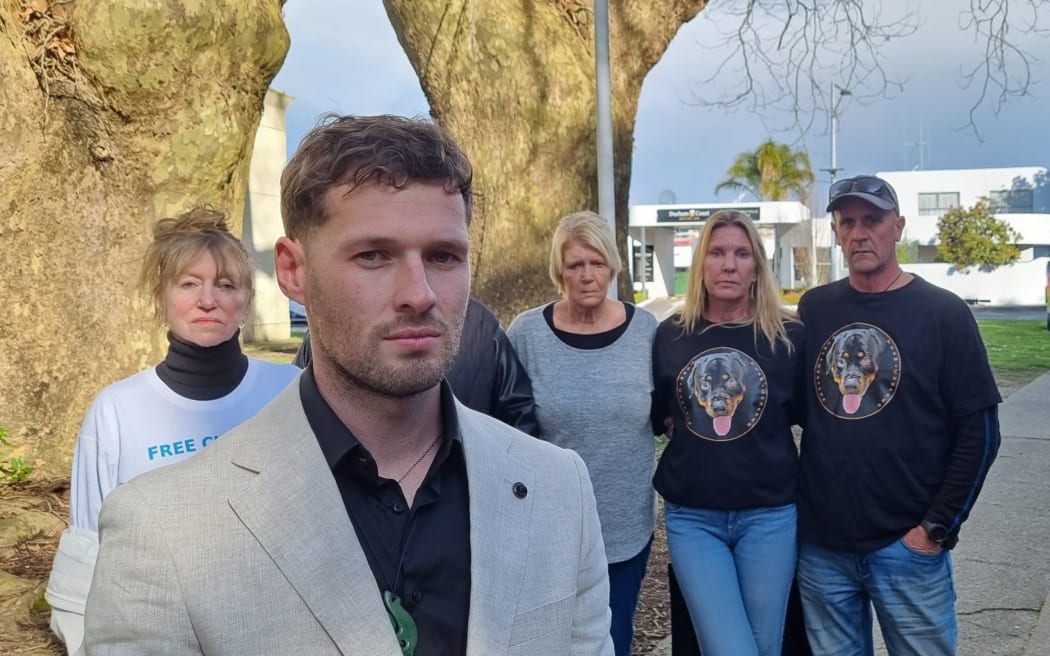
{"type": "Point", "coordinates": [358, 150]}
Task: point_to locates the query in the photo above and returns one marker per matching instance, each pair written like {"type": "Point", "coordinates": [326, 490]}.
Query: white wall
{"type": "Point", "coordinates": [1023, 283]}
{"type": "Point", "coordinates": [971, 185]}
{"type": "Point", "coordinates": [662, 242]}
{"type": "Point", "coordinates": [262, 221]}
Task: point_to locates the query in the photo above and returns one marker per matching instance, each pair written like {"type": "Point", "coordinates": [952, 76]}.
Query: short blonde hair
{"type": "Point", "coordinates": [766, 312]}
{"type": "Point", "coordinates": [178, 241]}
{"type": "Point", "coordinates": [592, 231]}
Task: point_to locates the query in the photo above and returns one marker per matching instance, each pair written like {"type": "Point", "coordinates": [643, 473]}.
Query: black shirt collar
{"type": "Point", "coordinates": [337, 441]}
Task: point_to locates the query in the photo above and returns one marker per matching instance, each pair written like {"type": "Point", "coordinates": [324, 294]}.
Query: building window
{"type": "Point", "coordinates": [936, 204]}
{"type": "Point", "coordinates": [1014, 201]}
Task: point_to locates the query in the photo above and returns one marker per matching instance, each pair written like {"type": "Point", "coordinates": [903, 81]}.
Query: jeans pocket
{"type": "Point", "coordinates": [671, 507]}
{"type": "Point", "coordinates": [920, 554]}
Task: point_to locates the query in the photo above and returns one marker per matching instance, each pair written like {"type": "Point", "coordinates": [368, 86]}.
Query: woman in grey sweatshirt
{"type": "Point", "coordinates": [590, 361]}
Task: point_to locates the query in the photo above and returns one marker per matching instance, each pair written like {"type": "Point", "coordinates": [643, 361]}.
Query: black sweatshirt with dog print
{"type": "Point", "coordinates": [732, 400]}
{"type": "Point", "coordinates": [901, 421]}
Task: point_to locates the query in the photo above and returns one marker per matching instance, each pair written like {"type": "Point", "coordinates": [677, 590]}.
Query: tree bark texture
{"type": "Point", "coordinates": [514, 81]}
{"type": "Point", "coordinates": [113, 113]}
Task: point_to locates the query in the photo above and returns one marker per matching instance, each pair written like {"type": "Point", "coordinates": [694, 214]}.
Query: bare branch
{"type": "Point", "coordinates": [783, 59]}
{"type": "Point", "coordinates": [788, 55]}
{"type": "Point", "coordinates": [1005, 70]}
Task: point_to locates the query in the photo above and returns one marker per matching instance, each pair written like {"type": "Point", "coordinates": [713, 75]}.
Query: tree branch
{"type": "Point", "coordinates": [780, 58]}
{"type": "Point", "coordinates": [1005, 70]}
{"type": "Point", "coordinates": [783, 55]}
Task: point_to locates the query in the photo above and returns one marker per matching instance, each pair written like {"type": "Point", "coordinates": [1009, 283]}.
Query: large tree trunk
{"type": "Point", "coordinates": [113, 113]}
{"type": "Point", "coordinates": [513, 80]}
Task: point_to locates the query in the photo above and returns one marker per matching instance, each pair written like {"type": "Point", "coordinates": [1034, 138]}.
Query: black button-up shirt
{"type": "Point", "coordinates": [422, 553]}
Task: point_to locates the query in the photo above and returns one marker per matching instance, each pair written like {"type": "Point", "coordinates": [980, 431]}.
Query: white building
{"type": "Point", "coordinates": [262, 221]}
{"type": "Point", "coordinates": [1020, 196]}
{"type": "Point", "coordinates": [653, 228]}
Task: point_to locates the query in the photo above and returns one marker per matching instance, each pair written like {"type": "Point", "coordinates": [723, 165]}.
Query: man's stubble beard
{"type": "Point", "coordinates": [359, 367]}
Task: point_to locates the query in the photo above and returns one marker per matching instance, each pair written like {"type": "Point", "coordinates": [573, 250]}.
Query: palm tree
{"type": "Point", "coordinates": [772, 171]}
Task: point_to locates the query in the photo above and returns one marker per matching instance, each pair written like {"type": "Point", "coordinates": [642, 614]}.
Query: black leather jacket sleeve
{"type": "Point", "coordinates": [512, 401]}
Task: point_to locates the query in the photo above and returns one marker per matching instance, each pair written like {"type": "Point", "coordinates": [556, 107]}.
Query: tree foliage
{"type": "Point", "coordinates": [908, 251]}
{"type": "Point", "coordinates": [975, 237]}
{"type": "Point", "coordinates": [773, 171]}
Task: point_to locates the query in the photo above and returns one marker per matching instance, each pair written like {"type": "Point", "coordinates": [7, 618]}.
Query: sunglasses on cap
{"type": "Point", "coordinates": [872, 189]}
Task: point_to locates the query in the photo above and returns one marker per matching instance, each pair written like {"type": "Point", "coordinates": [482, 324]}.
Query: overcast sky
{"type": "Point", "coordinates": [345, 58]}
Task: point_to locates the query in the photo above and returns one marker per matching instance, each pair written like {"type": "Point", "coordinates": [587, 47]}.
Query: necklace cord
{"type": "Point", "coordinates": [894, 281]}
{"type": "Point", "coordinates": [420, 459]}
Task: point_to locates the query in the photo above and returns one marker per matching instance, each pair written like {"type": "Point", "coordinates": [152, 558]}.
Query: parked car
{"type": "Point", "coordinates": [296, 314]}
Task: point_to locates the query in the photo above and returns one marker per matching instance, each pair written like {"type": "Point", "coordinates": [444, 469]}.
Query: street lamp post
{"type": "Point", "coordinates": [603, 115]}
{"type": "Point", "coordinates": [833, 254]}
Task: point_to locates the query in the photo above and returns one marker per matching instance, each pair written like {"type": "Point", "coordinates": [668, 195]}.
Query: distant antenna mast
{"type": "Point", "coordinates": [923, 147]}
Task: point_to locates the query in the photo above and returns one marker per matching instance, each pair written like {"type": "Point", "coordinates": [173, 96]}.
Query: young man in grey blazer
{"type": "Point", "coordinates": [365, 511]}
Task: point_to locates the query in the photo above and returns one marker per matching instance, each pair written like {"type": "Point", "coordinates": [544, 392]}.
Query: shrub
{"type": "Point", "coordinates": [975, 237]}
{"type": "Point", "coordinates": [15, 470]}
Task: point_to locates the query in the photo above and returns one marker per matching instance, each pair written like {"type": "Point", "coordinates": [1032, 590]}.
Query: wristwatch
{"type": "Point", "coordinates": [937, 532]}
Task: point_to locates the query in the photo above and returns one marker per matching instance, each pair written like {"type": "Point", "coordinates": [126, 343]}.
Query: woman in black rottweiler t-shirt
{"type": "Point", "coordinates": [726, 370]}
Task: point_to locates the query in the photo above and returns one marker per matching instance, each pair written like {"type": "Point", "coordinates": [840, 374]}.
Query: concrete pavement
{"type": "Point", "coordinates": [1002, 562]}
{"type": "Point", "coordinates": [664, 306]}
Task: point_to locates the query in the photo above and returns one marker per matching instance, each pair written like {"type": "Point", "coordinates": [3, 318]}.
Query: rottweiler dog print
{"type": "Point", "coordinates": [722, 392]}
{"type": "Point", "coordinates": [857, 372]}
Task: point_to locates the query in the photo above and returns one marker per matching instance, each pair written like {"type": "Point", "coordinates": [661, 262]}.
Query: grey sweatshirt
{"type": "Point", "coordinates": [596, 402]}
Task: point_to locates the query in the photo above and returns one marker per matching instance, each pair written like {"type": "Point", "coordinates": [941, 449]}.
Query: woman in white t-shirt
{"type": "Point", "coordinates": [199, 277]}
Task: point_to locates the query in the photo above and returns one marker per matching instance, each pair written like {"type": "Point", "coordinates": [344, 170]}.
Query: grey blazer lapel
{"type": "Point", "coordinates": [499, 535]}
{"type": "Point", "coordinates": [294, 509]}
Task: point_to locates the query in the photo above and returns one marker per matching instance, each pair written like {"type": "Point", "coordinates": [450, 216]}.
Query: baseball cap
{"type": "Point", "coordinates": [869, 188]}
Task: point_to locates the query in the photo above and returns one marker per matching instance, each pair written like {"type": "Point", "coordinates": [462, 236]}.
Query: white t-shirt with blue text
{"type": "Point", "coordinates": [139, 424]}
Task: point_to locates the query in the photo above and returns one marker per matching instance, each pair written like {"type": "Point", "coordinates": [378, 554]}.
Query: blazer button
{"type": "Point", "coordinates": [520, 490]}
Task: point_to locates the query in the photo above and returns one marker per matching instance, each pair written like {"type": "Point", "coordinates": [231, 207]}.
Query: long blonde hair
{"type": "Point", "coordinates": [765, 311]}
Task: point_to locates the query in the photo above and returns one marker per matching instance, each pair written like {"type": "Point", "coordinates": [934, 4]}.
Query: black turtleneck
{"type": "Point", "coordinates": [203, 373]}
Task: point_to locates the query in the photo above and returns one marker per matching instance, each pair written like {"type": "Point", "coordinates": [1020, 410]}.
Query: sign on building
{"type": "Point", "coordinates": [692, 214]}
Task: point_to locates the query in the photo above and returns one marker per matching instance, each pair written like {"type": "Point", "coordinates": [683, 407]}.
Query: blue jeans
{"type": "Point", "coordinates": [625, 582]}
{"type": "Point", "coordinates": [912, 594]}
{"type": "Point", "coordinates": [734, 568]}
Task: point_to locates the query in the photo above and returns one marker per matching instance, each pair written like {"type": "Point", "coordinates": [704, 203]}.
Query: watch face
{"type": "Point", "coordinates": [937, 532]}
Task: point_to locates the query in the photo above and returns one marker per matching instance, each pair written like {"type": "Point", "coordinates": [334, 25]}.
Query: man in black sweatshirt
{"type": "Point", "coordinates": [901, 428]}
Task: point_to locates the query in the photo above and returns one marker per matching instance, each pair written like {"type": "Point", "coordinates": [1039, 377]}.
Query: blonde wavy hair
{"type": "Point", "coordinates": [178, 241]}
{"type": "Point", "coordinates": [766, 313]}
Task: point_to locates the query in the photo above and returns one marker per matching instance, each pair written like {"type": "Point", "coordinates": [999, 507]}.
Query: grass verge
{"type": "Point", "coordinates": [282, 351]}
{"type": "Point", "coordinates": [1018, 350]}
